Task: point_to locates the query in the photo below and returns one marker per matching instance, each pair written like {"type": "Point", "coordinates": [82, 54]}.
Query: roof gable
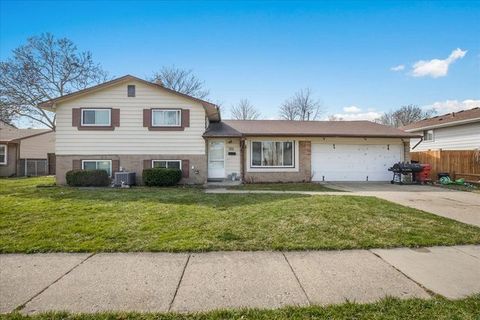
{"type": "Point", "coordinates": [212, 110]}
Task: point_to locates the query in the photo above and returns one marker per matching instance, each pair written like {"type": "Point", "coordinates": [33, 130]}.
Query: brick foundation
{"type": "Point", "coordinates": [134, 163]}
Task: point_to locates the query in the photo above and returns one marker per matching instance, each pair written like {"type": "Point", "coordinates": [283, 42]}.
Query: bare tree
{"type": "Point", "coordinates": [333, 117]}
{"type": "Point", "coordinates": [405, 115]}
{"type": "Point", "coordinates": [181, 80]}
{"type": "Point", "coordinates": [42, 69]}
{"type": "Point", "coordinates": [302, 106]}
{"type": "Point", "coordinates": [244, 110]}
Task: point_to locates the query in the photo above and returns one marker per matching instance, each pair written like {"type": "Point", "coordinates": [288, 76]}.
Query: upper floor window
{"type": "Point", "coordinates": [272, 154]}
{"type": "Point", "coordinates": [3, 154]}
{"type": "Point", "coordinates": [166, 118]}
{"type": "Point", "coordinates": [96, 117]}
{"type": "Point", "coordinates": [131, 90]}
{"type": "Point", "coordinates": [427, 135]}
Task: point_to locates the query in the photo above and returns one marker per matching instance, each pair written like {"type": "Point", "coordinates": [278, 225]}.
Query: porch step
{"type": "Point", "coordinates": [221, 183]}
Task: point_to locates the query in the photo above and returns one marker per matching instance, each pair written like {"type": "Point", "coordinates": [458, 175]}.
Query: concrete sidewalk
{"type": "Point", "coordinates": [205, 281]}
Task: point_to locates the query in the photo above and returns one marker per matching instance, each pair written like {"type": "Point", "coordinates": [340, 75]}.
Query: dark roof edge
{"type": "Point", "coordinates": [206, 135]}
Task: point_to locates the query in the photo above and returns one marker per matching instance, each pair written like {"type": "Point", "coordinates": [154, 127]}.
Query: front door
{"type": "Point", "coordinates": [216, 159]}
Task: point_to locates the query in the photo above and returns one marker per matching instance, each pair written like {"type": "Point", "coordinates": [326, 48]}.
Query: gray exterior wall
{"type": "Point", "coordinates": [134, 163]}
{"type": "Point", "coordinates": [10, 169]}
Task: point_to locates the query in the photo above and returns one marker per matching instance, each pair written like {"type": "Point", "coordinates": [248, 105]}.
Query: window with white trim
{"type": "Point", "coordinates": [3, 154]}
{"type": "Point", "coordinates": [98, 165]}
{"type": "Point", "coordinates": [272, 154]}
{"type": "Point", "coordinates": [166, 118]}
{"type": "Point", "coordinates": [96, 117]}
{"type": "Point", "coordinates": [169, 164]}
{"type": "Point", "coordinates": [427, 135]}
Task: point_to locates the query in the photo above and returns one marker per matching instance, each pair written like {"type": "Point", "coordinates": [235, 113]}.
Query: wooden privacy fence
{"type": "Point", "coordinates": [457, 163]}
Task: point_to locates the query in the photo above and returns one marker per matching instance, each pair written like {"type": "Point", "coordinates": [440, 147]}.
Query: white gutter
{"type": "Point", "coordinates": [441, 125]}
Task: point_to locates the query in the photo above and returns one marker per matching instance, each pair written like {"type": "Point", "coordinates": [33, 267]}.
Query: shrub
{"type": "Point", "coordinates": [161, 177]}
{"type": "Point", "coordinates": [87, 178]}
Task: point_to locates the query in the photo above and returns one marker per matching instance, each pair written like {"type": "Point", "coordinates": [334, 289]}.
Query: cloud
{"type": "Point", "coordinates": [355, 113]}
{"type": "Point", "coordinates": [448, 106]}
{"type": "Point", "coordinates": [352, 109]}
{"type": "Point", "coordinates": [436, 68]}
{"type": "Point", "coordinates": [400, 67]}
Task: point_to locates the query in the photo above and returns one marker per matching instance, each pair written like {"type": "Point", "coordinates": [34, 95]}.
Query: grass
{"type": "Point", "coordinates": [62, 219]}
{"type": "Point", "coordinates": [285, 187]}
{"type": "Point", "coordinates": [389, 308]}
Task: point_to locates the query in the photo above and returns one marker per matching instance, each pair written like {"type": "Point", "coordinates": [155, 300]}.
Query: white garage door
{"type": "Point", "coordinates": [345, 162]}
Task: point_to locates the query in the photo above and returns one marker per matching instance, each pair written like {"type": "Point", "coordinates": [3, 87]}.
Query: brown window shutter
{"type": "Point", "coordinates": [147, 118]}
{"type": "Point", "coordinates": [185, 168]}
{"type": "Point", "coordinates": [147, 164]}
{"type": "Point", "coordinates": [115, 117]}
{"type": "Point", "coordinates": [115, 166]}
{"type": "Point", "coordinates": [185, 118]}
{"type": "Point", "coordinates": [77, 164]}
{"type": "Point", "coordinates": [76, 118]}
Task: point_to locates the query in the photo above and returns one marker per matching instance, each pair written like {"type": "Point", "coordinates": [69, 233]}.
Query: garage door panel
{"type": "Point", "coordinates": [343, 162]}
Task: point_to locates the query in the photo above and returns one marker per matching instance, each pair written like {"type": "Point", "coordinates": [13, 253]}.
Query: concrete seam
{"type": "Point", "coordinates": [20, 307]}
{"type": "Point", "coordinates": [430, 292]}
{"type": "Point", "coordinates": [179, 282]}
{"type": "Point", "coordinates": [464, 252]}
{"type": "Point", "coordinates": [298, 280]}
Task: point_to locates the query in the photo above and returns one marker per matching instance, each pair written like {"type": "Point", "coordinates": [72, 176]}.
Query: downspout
{"type": "Point", "coordinates": [242, 159]}
{"type": "Point", "coordinates": [421, 139]}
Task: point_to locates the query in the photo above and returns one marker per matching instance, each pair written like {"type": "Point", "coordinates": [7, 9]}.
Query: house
{"type": "Point", "coordinates": [450, 143]}
{"type": "Point", "coordinates": [452, 131]}
{"type": "Point", "coordinates": [25, 151]}
{"type": "Point", "coordinates": [131, 124]}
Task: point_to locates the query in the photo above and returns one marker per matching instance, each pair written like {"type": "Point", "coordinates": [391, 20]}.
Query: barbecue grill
{"type": "Point", "coordinates": [403, 168]}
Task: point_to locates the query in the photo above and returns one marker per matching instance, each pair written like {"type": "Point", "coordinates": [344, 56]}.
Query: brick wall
{"type": "Point", "coordinates": [134, 163]}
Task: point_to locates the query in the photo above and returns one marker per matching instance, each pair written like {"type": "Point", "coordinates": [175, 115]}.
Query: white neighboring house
{"type": "Point", "coordinates": [25, 151]}
{"type": "Point", "coordinates": [451, 131]}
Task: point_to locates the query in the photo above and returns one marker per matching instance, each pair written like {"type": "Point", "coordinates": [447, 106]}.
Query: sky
{"type": "Point", "coordinates": [359, 58]}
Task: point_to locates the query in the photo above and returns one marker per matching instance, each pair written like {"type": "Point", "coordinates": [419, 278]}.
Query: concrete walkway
{"type": "Point", "coordinates": [457, 205]}
{"type": "Point", "coordinates": [205, 281]}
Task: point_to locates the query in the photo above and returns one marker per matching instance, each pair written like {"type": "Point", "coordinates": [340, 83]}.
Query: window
{"type": "Point", "coordinates": [3, 154]}
{"type": "Point", "coordinates": [131, 90]}
{"type": "Point", "coordinates": [170, 164]}
{"type": "Point", "coordinates": [98, 165]}
{"type": "Point", "coordinates": [166, 118]}
{"type": "Point", "coordinates": [428, 135]}
{"type": "Point", "coordinates": [96, 117]}
{"type": "Point", "coordinates": [272, 154]}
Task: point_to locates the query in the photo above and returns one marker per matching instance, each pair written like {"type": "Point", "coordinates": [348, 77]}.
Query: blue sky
{"type": "Point", "coordinates": [265, 51]}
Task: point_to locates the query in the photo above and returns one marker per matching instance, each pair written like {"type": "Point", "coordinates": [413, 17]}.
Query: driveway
{"type": "Point", "coordinates": [458, 205]}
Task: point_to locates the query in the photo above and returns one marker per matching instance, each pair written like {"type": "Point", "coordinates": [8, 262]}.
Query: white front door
{"type": "Point", "coordinates": [343, 162]}
{"type": "Point", "coordinates": [216, 159]}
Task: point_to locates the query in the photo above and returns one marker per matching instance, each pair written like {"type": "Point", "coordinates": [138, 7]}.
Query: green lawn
{"type": "Point", "coordinates": [46, 219]}
{"type": "Point", "coordinates": [284, 187]}
{"type": "Point", "coordinates": [395, 309]}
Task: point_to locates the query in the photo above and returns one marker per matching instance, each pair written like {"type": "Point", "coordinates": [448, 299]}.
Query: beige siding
{"type": "Point", "coordinates": [37, 147]}
{"type": "Point", "coordinates": [232, 162]}
{"type": "Point", "coordinates": [461, 137]}
{"type": "Point", "coordinates": [131, 137]}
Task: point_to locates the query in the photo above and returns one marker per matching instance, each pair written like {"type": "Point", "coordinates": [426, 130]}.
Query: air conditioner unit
{"type": "Point", "coordinates": [124, 179]}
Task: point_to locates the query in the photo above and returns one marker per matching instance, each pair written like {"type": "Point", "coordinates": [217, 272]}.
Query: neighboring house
{"type": "Point", "coordinates": [25, 151]}
{"type": "Point", "coordinates": [451, 131]}
{"type": "Point", "coordinates": [131, 124]}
